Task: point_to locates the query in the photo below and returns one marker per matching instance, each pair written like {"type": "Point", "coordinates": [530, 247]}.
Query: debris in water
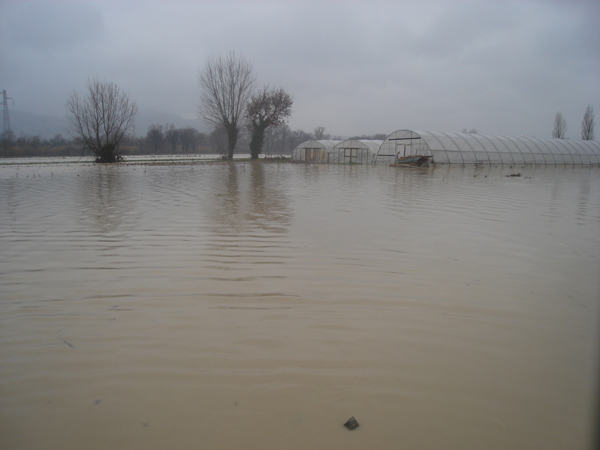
{"type": "Point", "coordinates": [351, 424]}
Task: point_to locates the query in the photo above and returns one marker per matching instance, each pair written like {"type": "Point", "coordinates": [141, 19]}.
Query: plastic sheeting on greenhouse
{"type": "Point", "coordinates": [313, 151]}
{"type": "Point", "coordinates": [455, 148]}
{"type": "Point", "coordinates": [353, 151]}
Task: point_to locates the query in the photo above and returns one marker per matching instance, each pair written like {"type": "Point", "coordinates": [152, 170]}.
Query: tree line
{"type": "Point", "coordinates": [30, 146]}
{"type": "Point", "coordinates": [164, 139]}
{"type": "Point", "coordinates": [559, 131]}
{"type": "Point", "coordinates": [241, 115]}
{"type": "Point", "coordinates": [101, 118]}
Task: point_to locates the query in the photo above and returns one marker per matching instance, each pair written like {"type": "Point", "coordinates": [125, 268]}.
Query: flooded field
{"type": "Point", "coordinates": [259, 306]}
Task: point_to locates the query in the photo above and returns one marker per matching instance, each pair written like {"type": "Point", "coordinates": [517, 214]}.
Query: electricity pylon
{"type": "Point", "coordinates": [6, 117]}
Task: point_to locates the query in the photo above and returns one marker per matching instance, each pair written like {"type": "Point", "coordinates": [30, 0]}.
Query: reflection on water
{"type": "Point", "coordinates": [261, 305]}
{"type": "Point", "coordinates": [104, 201]}
{"type": "Point", "coordinates": [245, 200]}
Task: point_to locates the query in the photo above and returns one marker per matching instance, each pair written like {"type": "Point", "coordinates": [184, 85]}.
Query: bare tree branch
{"type": "Point", "coordinates": [560, 127]}
{"type": "Point", "coordinates": [587, 125]}
{"type": "Point", "coordinates": [226, 84]}
{"type": "Point", "coordinates": [319, 133]}
{"type": "Point", "coordinates": [101, 118]}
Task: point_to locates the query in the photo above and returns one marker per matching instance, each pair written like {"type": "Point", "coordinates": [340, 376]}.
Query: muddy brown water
{"type": "Point", "coordinates": [259, 306]}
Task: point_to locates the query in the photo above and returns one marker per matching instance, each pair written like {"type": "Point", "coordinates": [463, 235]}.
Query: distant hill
{"type": "Point", "coordinates": [30, 124]}
{"type": "Point", "coordinates": [46, 126]}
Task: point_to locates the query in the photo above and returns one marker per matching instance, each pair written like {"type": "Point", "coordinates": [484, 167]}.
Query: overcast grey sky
{"type": "Point", "coordinates": [355, 67]}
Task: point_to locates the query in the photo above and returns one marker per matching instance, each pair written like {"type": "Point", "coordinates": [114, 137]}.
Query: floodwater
{"type": "Point", "coordinates": [259, 306]}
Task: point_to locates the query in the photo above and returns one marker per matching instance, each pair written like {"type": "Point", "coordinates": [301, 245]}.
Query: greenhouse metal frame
{"type": "Point", "coordinates": [313, 151]}
{"type": "Point", "coordinates": [354, 151]}
{"type": "Point", "coordinates": [458, 148]}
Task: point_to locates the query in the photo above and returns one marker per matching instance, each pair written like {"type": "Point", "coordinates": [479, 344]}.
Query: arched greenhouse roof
{"type": "Point", "coordinates": [354, 151]}
{"type": "Point", "coordinates": [458, 148]}
{"type": "Point", "coordinates": [315, 151]}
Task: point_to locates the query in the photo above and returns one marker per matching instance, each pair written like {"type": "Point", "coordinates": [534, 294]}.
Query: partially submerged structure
{"type": "Point", "coordinates": [353, 151]}
{"type": "Point", "coordinates": [313, 151]}
{"type": "Point", "coordinates": [455, 148]}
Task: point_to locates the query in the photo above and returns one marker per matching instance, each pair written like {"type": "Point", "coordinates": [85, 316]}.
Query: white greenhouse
{"type": "Point", "coordinates": [313, 151]}
{"type": "Point", "coordinates": [353, 151]}
{"type": "Point", "coordinates": [454, 148]}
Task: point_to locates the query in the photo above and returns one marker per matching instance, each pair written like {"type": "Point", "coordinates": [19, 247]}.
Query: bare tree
{"type": "Point", "coordinates": [7, 139]}
{"type": "Point", "coordinates": [587, 124]}
{"type": "Point", "coordinates": [320, 133]}
{"type": "Point", "coordinates": [155, 137]}
{"type": "Point", "coordinates": [226, 84]}
{"type": "Point", "coordinates": [560, 127]}
{"type": "Point", "coordinates": [172, 135]}
{"type": "Point", "coordinates": [299, 136]}
{"type": "Point", "coordinates": [57, 141]}
{"type": "Point", "coordinates": [278, 139]}
{"type": "Point", "coordinates": [101, 118]}
{"type": "Point", "coordinates": [189, 138]}
{"type": "Point", "coordinates": [217, 141]}
{"type": "Point", "coordinates": [266, 109]}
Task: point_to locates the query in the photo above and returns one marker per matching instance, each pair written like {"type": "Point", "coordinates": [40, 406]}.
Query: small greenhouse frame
{"type": "Point", "coordinates": [313, 151]}
{"type": "Point", "coordinates": [354, 151]}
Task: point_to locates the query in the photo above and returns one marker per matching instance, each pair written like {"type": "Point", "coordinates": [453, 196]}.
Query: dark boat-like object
{"type": "Point", "coordinates": [411, 161]}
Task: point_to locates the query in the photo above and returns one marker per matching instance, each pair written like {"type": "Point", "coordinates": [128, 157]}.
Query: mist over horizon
{"type": "Point", "coordinates": [47, 126]}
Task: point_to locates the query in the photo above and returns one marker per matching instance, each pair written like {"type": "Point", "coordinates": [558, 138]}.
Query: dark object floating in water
{"type": "Point", "coordinates": [351, 424]}
{"type": "Point", "coordinates": [513, 175]}
{"type": "Point", "coordinates": [411, 161]}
